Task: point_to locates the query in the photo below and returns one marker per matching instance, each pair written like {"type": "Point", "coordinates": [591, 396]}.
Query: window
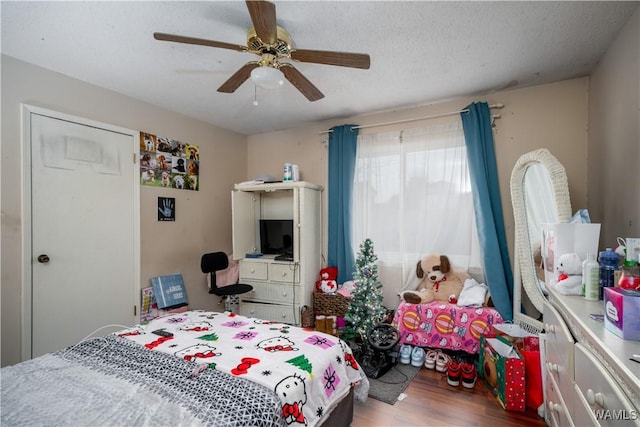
{"type": "Point", "coordinates": [412, 196]}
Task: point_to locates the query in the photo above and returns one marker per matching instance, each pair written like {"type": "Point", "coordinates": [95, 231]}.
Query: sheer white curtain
{"type": "Point", "coordinates": [412, 196]}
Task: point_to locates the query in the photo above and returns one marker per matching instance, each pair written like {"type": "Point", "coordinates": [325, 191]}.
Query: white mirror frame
{"type": "Point", "coordinates": [524, 269]}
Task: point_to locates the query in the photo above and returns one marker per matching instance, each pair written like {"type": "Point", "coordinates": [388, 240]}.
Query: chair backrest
{"type": "Point", "coordinates": [212, 262]}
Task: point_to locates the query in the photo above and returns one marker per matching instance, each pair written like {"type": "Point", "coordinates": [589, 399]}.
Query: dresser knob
{"type": "Point", "coordinates": [595, 398]}
{"type": "Point", "coordinates": [253, 271]}
{"type": "Point", "coordinates": [554, 407]}
{"type": "Point", "coordinates": [550, 328]}
{"type": "Point", "coordinates": [552, 367]}
{"type": "Point", "coordinates": [284, 316]}
{"type": "Point", "coordinates": [284, 274]}
{"type": "Point", "coordinates": [284, 294]}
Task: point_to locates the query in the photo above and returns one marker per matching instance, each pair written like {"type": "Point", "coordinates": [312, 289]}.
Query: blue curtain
{"type": "Point", "coordinates": [487, 206]}
{"type": "Point", "coordinates": [342, 163]}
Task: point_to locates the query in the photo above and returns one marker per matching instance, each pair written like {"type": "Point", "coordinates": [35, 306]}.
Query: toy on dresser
{"type": "Point", "coordinates": [569, 278]}
{"type": "Point", "coordinates": [440, 282]}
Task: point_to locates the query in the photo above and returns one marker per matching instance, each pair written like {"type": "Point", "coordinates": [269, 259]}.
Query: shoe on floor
{"type": "Point", "coordinates": [442, 360]}
{"type": "Point", "coordinates": [417, 357]}
{"type": "Point", "coordinates": [453, 373]}
{"type": "Point", "coordinates": [469, 375]}
{"type": "Point", "coordinates": [430, 359]}
{"type": "Point", "coordinates": [405, 354]}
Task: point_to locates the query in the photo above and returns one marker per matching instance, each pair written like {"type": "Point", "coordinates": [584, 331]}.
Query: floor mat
{"type": "Point", "coordinates": [388, 387]}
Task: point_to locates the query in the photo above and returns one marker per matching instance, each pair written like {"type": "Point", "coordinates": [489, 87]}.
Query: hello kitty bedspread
{"type": "Point", "coordinates": [444, 325]}
{"type": "Point", "coordinates": [309, 371]}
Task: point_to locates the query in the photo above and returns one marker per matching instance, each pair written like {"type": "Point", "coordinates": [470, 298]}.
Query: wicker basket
{"type": "Point", "coordinates": [330, 305]}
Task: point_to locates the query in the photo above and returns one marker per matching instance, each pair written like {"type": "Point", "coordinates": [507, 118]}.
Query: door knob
{"type": "Point", "coordinates": [43, 258]}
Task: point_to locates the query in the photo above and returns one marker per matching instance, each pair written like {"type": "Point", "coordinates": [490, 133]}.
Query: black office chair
{"type": "Point", "coordinates": [216, 261]}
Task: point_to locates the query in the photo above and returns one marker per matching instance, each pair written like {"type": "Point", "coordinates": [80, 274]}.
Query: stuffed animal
{"type": "Point", "coordinates": [328, 283]}
{"type": "Point", "coordinates": [569, 279]}
{"type": "Point", "coordinates": [439, 282]}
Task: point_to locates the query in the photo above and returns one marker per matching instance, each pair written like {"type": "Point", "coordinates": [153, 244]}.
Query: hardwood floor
{"type": "Point", "coordinates": [431, 401]}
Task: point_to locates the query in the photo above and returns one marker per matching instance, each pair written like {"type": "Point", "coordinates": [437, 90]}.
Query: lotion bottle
{"type": "Point", "coordinates": [591, 278]}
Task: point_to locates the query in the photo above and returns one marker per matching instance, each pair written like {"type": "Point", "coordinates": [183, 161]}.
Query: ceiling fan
{"type": "Point", "coordinates": [273, 44]}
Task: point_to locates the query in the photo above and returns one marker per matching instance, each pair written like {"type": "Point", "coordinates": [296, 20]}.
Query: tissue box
{"type": "Point", "coordinates": [622, 312]}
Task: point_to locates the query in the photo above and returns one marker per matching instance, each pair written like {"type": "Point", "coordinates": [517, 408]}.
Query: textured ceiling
{"type": "Point", "coordinates": [421, 52]}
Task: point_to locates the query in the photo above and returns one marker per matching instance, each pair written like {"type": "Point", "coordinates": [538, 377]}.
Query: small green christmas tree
{"type": "Point", "coordinates": [365, 309]}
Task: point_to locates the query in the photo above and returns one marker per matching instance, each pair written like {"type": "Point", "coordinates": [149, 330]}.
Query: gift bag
{"type": "Point", "coordinates": [502, 368]}
{"type": "Point", "coordinates": [516, 335]}
{"type": "Point", "coordinates": [564, 238]}
{"type": "Point", "coordinates": [528, 345]}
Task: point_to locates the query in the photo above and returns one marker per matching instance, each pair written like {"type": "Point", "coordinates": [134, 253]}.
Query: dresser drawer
{"type": "Point", "coordinates": [281, 272]}
{"type": "Point", "coordinates": [600, 399]}
{"type": "Point", "coordinates": [559, 360]}
{"type": "Point", "coordinates": [253, 270]}
{"type": "Point", "coordinates": [556, 409]}
{"type": "Point", "coordinates": [273, 312]}
{"type": "Point", "coordinates": [282, 293]}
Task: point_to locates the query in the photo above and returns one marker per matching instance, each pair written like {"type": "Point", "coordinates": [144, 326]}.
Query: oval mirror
{"type": "Point", "coordinates": [539, 194]}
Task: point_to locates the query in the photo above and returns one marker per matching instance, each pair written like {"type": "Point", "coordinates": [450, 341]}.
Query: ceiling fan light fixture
{"type": "Point", "coordinates": [267, 77]}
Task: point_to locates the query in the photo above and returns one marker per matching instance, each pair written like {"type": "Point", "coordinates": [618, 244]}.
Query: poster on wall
{"type": "Point", "coordinates": [166, 162]}
{"type": "Point", "coordinates": [166, 209]}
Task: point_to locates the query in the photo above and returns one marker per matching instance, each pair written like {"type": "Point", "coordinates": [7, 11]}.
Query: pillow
{"type": "Point", "coordinates": [228, 276]}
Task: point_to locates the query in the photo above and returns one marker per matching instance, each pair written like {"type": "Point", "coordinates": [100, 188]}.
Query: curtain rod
{"type": "Point", "coordinates": [451, 113]}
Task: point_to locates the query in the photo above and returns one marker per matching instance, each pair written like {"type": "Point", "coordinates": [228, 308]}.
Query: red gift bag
{"type": "Point", "coordinates": [529, 346]}
{"type": "Point", "coordinates": [502, 369]}
{"type": "Point", "coordinates": [533, 378]}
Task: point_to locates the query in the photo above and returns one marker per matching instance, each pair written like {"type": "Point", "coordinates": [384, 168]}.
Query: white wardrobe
{"type": "Point", "coordinates": [281, 288]}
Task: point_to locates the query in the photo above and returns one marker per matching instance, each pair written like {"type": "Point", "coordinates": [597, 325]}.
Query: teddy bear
{"type": "Point", "coordinates": [569, 279]}
{"type": "Point", "coordinates": [328, 283]}
{"type": "Point", "coordinates": [439, 282]}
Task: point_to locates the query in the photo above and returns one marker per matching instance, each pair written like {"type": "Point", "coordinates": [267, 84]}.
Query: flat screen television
{"type": "Point", "coordinates": [276, 236]}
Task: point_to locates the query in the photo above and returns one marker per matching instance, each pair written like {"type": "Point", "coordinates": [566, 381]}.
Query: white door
{"type": "Point", "coordinates": [84, 229]}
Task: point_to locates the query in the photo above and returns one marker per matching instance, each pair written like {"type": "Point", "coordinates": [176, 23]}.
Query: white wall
{"type": "Point", "coordinates": [614, 138]}
{"type": "Point", "coordinates": [203, 218]}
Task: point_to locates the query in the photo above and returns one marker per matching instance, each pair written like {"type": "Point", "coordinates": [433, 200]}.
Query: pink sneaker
{"type": "Point", "coordinates": [430, 359]}
{"type": "Point", "coordinates": [442, 360]}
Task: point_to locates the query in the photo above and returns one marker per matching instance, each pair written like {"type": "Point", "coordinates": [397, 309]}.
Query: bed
{"type": "Point", "coordinates": [444, 325]}
{"type": "Point", "coordinates": [218, 369]}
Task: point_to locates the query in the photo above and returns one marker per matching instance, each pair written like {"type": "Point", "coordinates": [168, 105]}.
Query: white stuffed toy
{"type": "Point", "coordinates": [569, 279]}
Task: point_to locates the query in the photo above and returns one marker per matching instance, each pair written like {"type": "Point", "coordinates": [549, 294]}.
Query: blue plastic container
{"type": "Point", "coordinates": [609, 263]}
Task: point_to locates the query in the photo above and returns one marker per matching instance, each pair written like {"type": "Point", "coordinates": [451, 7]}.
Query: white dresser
{"type": "Point", "coordinates": [277, 292]}
{"type": "Point", "coordinates": [589, 379]}
{"type": "Point", "coordinates": [280, 288]}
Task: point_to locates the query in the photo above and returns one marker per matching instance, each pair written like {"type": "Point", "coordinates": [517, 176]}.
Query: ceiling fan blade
{"type": "Point", "coordinates": [263, 17]}
{"type": "Point", "coordinates": [300, 82]}
{"type": "Point", "coordinates": [202, 42]}
{"type": "Point", "coordinates": [239, 77]}
{"type": "Point", "coordinates": [342, 59]}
